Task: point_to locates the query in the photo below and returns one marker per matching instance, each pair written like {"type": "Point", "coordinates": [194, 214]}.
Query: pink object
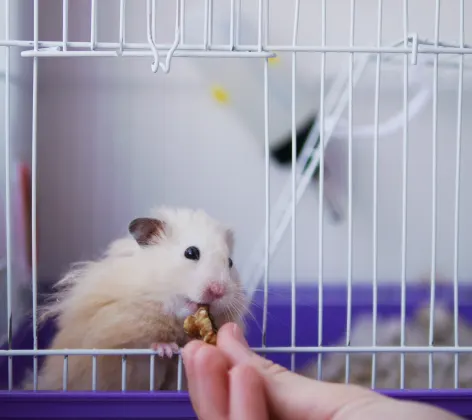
{"type": "Point", "coordinates": [21, 215]}
{"type": "Point", "coordinates": [165, 349]}
{"type": "Point", "coordinates": [20, 224]}
{"type": "Point", "coordinates": [215, 290]}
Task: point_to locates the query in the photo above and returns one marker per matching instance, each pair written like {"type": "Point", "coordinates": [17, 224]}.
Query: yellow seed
{"type": "Point", "coordinates": [220, 94]}
{"type": "Point", "coordinates": [274, 60]}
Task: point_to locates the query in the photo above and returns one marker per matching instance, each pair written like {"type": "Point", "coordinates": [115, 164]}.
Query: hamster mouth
{"type": "Point", "coordinates": [193, 306]}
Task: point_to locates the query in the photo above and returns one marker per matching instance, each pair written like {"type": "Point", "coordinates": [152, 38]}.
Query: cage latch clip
{"type": "Point", "coordinates": [414, 48]}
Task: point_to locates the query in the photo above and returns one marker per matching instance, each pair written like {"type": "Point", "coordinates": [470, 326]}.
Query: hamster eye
{"type": "Point", "coordinates": [230, 261]}
{"type": "Point", "coordinates": [192, 253]}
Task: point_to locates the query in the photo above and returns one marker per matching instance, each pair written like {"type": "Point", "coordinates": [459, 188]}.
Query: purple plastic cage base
{"type": "Point", "coordinates": [168, 405]}
{"type": "Point", "coordinates": [144, 405]}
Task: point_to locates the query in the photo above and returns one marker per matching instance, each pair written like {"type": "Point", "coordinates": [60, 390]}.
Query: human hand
{"type": "Point", "coordinates": [231, 382]}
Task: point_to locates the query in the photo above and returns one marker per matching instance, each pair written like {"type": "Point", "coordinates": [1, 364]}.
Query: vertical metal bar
{"type": "Point", "coordinates": [8, 221]}
{"type": "Point", "coordinates": [267, 202]}
{"type": "Point", "coordinates": [266, 23]}
{"type": "Point", "coordinates": [36, 25]}
{"type": "Point", "coordinates": [294, 186]}
{"type": "Point", "coordinates": [65, 23]}
{"type": "Point", "coordinates": [122, 23]}
{"type": "Point", "coordinates": [238, 22]}
{"type": "Point", "coordinates": [434, 199]}
{"type": "Point", "coordinates": [179, 373]}
{"type": "Point", "coordinates": [457, 195]}
{"type": "Point", "coordinates": [349, 252]}
{"type": "Point", "coordinates": [94, 373]}
{"type": "Point", "coordinates": [93, 25]}
{"type": "Point", "coordinates": [321, 190]}
{"type": "Point", "coordinates": [205, 25]}
{"type": "Point", "coordinates": [259, 27]}
{"type": "Point", "coordinates": [182, 22]}
{"type": "Point", "coordinates": [231, 26]}
{"type": "Point", "coordinates": [210, 23]}
{"type": "Point", "coordinates": [34, 180]}
{"type": "Point", "coordinates": [404, 194]}
{"type": "Point", "coordinates": [123, 372]}
{"type": "Point", "coordinates": [65, 373]}
{"type": "Point", "coordinates": [152, 370]}
{"type": "Point", "coordinates": [153, 19]}
{"type": "Point", "coordinates": [375, 195]}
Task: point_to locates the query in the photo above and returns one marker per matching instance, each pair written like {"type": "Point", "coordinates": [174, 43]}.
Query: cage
{"type": "Point", "coordinates": [371, 285]}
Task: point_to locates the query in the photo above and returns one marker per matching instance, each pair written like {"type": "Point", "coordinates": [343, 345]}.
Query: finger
{"type": "Point", "coordinates": [389, 409]}
{"type": "Point", "coordinates": [293, 396]}
{"type": "Point", "coordinates": [208, 381]}
{"type": "Point", "coordinates": [188, 358]}
{"type": "Point", "coordinates": [288, 394]}
{"type": "Point", "coordinates": [247, 396]}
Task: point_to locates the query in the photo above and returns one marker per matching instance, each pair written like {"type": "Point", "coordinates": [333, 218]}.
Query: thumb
{"type": "Point", "coordinates": [292, 396]}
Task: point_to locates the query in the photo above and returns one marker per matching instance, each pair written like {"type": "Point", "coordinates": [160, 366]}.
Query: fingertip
{"type": "Point", "coordinates": [225, 334]}
{"type": "Point", "coordinates": [204, 353]}
{"type": "Point", "coordinates": [190, 350]}
{"type": "Point", "coordinates": [205, 357]}
{"type": "Point", "coordinates": [192, 346]}
{"type": "Point", "coordinates": [233, 344]}
{"type": "Point", "coordinates": [189, 353]}
{"type": "Point", "coordinates": [232, 331]}
{"type": "Point", "coordinates": [209, 377]}
{"type": "Point", "coordinates": [227, 328]}
{"type": "Point", "coordinates": [238, 334]}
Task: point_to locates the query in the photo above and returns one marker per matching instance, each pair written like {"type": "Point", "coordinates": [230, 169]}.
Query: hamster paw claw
{"type": "Point", "coordinates": [165, 349]}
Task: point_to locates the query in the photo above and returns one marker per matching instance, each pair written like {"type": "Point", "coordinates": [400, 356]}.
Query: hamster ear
{"type": "Point", "coordinates": [146, 231]}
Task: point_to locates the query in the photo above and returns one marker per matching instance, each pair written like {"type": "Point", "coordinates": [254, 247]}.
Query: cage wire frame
{"type": "Point", "coordinates": [312, 157]}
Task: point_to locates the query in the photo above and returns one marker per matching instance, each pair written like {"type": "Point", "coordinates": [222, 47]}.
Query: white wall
{"type": "Point", "coordinates": [20, 138]}
{"type": "Point", "coordinates": [115, 139]}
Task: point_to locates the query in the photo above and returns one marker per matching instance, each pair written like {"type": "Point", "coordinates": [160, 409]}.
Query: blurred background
{"type": "Point", "coordinates": [114, 139]}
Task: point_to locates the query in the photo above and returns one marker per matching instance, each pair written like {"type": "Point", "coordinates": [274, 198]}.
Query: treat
{"type": "Point", "coordinates": [201, 325]}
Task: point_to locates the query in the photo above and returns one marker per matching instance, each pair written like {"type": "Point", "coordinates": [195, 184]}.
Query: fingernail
{"type": "Point", "coordinates": [238, 335]}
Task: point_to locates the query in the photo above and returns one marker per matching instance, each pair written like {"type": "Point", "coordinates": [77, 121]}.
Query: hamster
{"type": "Point", "coordinates": [137, 295]}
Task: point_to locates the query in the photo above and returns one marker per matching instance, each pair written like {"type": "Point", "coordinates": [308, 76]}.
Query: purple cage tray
{"type": "Point", "coordinates": [142, 405]}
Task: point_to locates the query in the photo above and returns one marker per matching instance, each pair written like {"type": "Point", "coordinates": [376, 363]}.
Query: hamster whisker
{"type": "Point", "coordinates": [237, 310]}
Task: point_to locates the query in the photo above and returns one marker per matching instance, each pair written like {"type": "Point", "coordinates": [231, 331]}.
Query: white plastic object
{"type": "Point", "coordinates": [418, 81]}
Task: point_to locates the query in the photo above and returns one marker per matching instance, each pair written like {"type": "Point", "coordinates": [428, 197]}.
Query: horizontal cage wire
{"type": "Point", "coordinates": [363, 233]}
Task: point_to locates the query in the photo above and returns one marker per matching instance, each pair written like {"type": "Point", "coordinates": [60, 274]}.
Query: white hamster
{"type": "Point", "coordinates": [137, 296]}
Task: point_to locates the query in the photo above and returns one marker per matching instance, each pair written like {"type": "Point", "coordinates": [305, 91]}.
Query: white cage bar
{"type": "Point", "coordinates": [375, 191]}
{"type": "Point", "coordinates": [457, 195]}
{"type": "Point", "coordinates": [434, 187]}
{"type": "Point", "coordinates": [349, 252]}
{"type": "Point", "coordinates": [404, 195]}
{"type": "Point", "coordinates": [273, 349]}
{"type": "Point", "coordinates": [34, 194]}
{"type": "Point", "coordinates": [8, 232]}
{"type": "Point", "coordinates": [293, 273]}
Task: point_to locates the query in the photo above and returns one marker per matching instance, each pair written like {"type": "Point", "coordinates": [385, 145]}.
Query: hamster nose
{"type": "Point", "coordinates": [215, 290]}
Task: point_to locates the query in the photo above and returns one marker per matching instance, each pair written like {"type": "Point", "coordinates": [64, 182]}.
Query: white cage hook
{"type": "Point", "coordinates": [414, 48]}
{"type": "Point", "coordinates": [165, 67]}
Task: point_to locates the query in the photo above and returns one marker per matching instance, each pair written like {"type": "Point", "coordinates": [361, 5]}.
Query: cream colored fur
{"type": "Point", "coordinates": [133, 297]}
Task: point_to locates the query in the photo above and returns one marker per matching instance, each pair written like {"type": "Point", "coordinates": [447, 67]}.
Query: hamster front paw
{"type": "Point", "coordinates": [165, 349]}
